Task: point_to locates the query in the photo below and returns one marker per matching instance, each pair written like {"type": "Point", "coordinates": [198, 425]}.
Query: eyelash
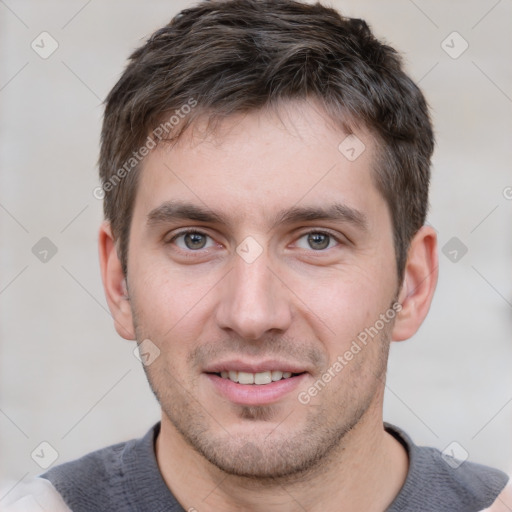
{"type": "Point", "coordinates": [198, 232]}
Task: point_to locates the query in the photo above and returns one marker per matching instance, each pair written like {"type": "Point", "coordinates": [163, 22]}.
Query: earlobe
{"type": "Point", "coordinates": [114, 283]}
{"type": "Point", "coordinates": [419, 283]}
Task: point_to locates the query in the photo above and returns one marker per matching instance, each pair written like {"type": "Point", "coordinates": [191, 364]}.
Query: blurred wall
{"type": "Point", "coordinates": [69, 380]}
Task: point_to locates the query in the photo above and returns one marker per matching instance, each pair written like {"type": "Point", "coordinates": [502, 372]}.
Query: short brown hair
{"type": "Point", "coordinates": [226, 57]}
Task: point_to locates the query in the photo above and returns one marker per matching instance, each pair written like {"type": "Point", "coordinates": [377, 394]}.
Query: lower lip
{"type": "Point", "coordinates": [254, 394]}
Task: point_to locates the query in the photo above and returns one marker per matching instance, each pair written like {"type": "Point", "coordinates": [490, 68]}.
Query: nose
{"type": "Point", "coordinates": [254, 301]}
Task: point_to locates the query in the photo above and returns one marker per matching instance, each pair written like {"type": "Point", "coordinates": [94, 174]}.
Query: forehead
{"type": "Point", "coordinates": [254, 164]}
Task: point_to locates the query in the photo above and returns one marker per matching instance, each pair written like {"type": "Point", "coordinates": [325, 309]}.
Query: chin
{"type": "Point", "coordinates": [256, 450]}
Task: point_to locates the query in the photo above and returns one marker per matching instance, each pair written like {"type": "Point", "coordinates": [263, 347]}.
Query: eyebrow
{"type": "Point", "coordinates": [175, 210]}
{"type": "Point", "coordinates": [334, 212]}
{"type": "Point", "coordinates": [171, 211]}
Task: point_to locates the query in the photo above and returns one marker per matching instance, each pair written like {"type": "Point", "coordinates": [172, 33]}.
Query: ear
{"type": "Point", "coordinates": [114, 283]}
{"type": "Point", "coordinates": [420, 279]}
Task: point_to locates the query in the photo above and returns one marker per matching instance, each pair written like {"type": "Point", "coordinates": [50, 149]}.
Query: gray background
{"type": "Point", "coordinates": [69, 380]}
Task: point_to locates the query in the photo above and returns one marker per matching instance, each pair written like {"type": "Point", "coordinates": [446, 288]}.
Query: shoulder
{"type": "Point", "coordinates": [503, 502]}
{"type": "Point", "coordinates": [92, 479]}
{"type": "Point", "coordinates": [108, 479]}
{"type": "Point", "coordinates": [92, 482]}
{"type": "Point", "coordinates": [470, 485]}
{"type": "Point", "coordinates": [437, 481]}
{"type": "Point", "coordinates": [33, 495]}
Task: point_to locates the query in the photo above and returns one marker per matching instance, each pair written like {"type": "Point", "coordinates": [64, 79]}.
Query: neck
{"type": "Point", "coordinates": [364, 472]}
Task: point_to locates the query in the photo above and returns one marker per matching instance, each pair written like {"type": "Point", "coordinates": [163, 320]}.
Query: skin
{"type": "Point", "coordinates": [301, 301]}
{"type": "Point", "coordinates": [503, 502]}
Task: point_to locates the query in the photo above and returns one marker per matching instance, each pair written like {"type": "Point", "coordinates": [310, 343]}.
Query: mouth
{"type": "Point", "coordinates": [255, 384]}
{"type": "Point", "coordinates": [258, 378]}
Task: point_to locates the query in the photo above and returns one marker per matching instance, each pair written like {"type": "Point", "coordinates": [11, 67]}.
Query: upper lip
{"type": "Point", "coordinates": [254, 367]}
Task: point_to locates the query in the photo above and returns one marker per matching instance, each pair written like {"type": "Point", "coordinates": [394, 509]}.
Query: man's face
{"type": "Point", "coordinates": [257, 251]}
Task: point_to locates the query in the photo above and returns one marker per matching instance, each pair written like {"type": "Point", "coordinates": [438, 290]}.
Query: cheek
{"type": "Point", "coordinates": [170, 305]}
{"type": "Point", "coordinates": [348, 309]}
{"type": "Point", "coordinates": [346, 299]}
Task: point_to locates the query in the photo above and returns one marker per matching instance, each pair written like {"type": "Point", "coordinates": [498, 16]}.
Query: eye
{"type": "Point", "coordinates": [317, 240]}
{"type": "Point", "coordinates": [192, 240]}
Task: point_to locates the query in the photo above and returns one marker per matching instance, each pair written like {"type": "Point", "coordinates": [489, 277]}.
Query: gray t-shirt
{"type": "Point", "coordinates": [125, 478]}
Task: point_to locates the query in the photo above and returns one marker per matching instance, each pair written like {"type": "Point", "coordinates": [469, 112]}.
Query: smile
{"type": "Point", "coordinates": [259, 378]}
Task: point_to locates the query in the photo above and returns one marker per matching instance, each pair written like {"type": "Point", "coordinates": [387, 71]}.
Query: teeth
{"type": "Point", "coordinates": [245, 378]}
{"type": "Point", "coordinates": [277, 375]}
{"type": "Point", "coordinates": [263, 378]}
{"type": "Point", "coordinates": [255, 378]}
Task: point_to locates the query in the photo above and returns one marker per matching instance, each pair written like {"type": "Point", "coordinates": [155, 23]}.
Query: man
{"type": "Point", "coordinates": [265, 166]}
